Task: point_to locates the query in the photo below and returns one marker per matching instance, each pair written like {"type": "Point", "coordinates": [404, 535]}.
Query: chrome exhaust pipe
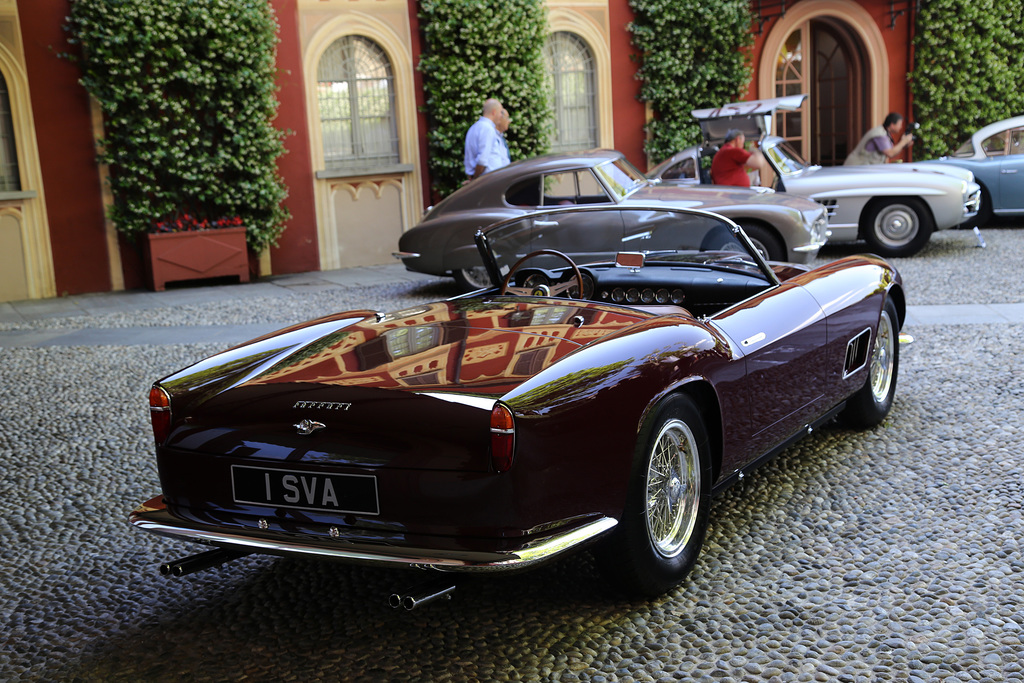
{"type": "Point", "coordinates": [195, 563]}
{"type": "Point", "coordinates": [422, 595]}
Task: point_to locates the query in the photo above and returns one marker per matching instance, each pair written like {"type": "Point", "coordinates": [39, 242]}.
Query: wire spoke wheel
{"type": "Point", "coordinates": [873, 400]}
{"type": "Point", "coordinates": [673, 488]}
{"type": "Point", "coordinates": [660, 534]}
{"type": "Point", "coordinates": [883, 359]}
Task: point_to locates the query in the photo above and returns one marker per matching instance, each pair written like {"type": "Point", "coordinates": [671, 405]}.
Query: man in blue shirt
{"type": "Point", "coordinates": [485, 143]}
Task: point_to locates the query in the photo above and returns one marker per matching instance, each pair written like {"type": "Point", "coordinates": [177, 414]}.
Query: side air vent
{"type": "Point", "coordinates": [830, 206]}
{"type": "Point", "coordinates": [857, 353]}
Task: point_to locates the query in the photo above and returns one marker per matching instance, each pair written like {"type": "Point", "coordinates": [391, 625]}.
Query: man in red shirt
{"type": "Point", "coordinates": [729, 167]}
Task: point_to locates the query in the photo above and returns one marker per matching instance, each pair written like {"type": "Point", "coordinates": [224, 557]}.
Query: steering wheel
{"type": "Point", "coordinates": [555, 289]}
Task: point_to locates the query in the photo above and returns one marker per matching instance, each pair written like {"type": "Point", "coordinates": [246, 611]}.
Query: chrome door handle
{"type": "Point", "coordinates": [1008, 171]}
{"type": "Point", "coordinates": [545, 223]}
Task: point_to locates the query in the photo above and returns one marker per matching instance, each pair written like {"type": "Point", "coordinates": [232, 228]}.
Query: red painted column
{"type": "Point", "coordinates": [67, 152]}
{"type": "Point", "coordinates": [298, 247]}
{"type": "Point", "coordinates": [421, 116]}
{"type": "Point", "coordinates": [628, 113]}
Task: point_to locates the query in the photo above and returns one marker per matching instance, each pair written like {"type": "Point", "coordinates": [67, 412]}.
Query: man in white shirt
{"type": "Point", "coordinates": [485, 145]}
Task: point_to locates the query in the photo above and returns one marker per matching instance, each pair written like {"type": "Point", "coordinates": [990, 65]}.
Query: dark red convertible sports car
{"type": "Point", "coordinates": [597, 404]}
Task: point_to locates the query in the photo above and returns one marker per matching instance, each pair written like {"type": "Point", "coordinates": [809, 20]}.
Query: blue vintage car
{"type": "Point", "coordinates": [995, 154]}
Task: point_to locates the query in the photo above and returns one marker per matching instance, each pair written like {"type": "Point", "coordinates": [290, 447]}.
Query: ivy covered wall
{"type": "Point", "coordinates": [968, 70]}
{"type": "Point", "coordinates": [187, 89]}
{"type": "Point", "coordinates": [473, 50]}
{"type": "Point", "coordinates": [694, 55]}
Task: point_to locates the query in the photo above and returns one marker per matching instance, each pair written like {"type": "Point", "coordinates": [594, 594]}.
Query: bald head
{"type": "Point", "coordinates": [492, 109]}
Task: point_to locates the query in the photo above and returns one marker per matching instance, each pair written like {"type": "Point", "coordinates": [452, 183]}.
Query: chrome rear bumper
{"type": "Point", "coordinates": [153, 516]}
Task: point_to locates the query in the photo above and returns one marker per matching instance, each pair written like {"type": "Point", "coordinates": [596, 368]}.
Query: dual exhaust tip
{"type": "Point", "coordinates": [195, 563]}
{"type": "Point", "coordinates": [417, 596]}
{"type": "Point", "coordinates": [422, 595]}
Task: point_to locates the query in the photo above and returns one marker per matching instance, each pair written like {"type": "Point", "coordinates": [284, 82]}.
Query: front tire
{"type": "Point", "coordinates": [872, 402]}
{"type": "Point", "coordinates": [984, 216]}
{"type": "Point", "coordinates": [659, 537]}
{"type": "Point", "coordinates": [897, 227]}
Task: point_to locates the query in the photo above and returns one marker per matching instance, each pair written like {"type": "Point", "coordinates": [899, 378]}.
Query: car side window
{"type": "Point", "coordinates": [591, 190]}
{"type": "Point", "coordinates": [1016, 141]}
{"type": "Point", "coordinates": [995, 145]}
{"type": "Point", "coordinates": [560, 189]}
{"type": "Point", "coordinates": [525, 192]}
{"type": "Point", "coordinates": [573, 187]}
{"type": "Point", "coordinates": [684, 170]}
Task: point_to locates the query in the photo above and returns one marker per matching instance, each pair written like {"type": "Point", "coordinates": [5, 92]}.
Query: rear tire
{"type": "Point", "coordinates": [472, 279]}
{"type": "Point", "coordinates": [897, 227]}
{"type": "Point", "coordinates": [659, 537]}
{"type": "Point", "coordinates": [872, 402]}
{"type": "Point", "coordinates": [766, 242]}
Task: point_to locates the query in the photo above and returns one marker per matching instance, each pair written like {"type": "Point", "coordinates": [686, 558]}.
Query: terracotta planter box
{"type": "Point", "coordinates": [177, 256]}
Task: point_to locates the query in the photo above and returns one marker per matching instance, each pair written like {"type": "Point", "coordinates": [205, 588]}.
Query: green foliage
{"type": "Point", "coordinates": [694, 55]}
{"type": "Point", "coordinates": [188, 96]}
{"type": "Point", "coordinates": [473, 50]}
{"type": "Point", "coordinates": [969, 57]}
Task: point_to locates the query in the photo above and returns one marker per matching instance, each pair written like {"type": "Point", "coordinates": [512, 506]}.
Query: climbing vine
{"type": "Point", "coordinates": [188, 94]}
{"type": "Point", "coordinates": [474, 50]}
{"type": "Point", "coordinates": [969, 58]}
{"type": "Point", "coordinates": [693, 55]}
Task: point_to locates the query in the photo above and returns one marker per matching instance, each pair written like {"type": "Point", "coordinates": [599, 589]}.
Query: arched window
{"type": "Point", "coordinates": [356, 91]}
{"type": "Point", "coordinates": [790, 79]}
{"type": "Point", "coordinates": [10, 179]}
{"type": "Point", "coordinates": [571, 67]}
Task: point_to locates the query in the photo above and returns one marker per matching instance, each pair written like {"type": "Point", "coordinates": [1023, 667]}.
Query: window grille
{"type": "Point", "coordinates": [10, 178]}
{"type": "Point", "coordinates": [570, 65]}
{"type": "Point", "coordinates": [356, 90]}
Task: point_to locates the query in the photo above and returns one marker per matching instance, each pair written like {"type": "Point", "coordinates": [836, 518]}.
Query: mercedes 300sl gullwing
{"type": "Point", "coordinates": [895, 208]}
{"type": "Point", "coordinates": [588, 401]}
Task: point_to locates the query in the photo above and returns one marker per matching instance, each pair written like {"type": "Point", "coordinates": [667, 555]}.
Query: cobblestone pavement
{"type": "Point", "coordinates": [890, 554]}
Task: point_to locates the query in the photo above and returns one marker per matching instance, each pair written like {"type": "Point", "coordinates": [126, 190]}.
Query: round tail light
{"type": "Point", "coordinates": [503, 438]}
{"type": "Point", "coordinates": [160, 413]}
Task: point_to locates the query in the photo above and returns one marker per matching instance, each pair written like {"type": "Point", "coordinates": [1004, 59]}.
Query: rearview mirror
{"type": "Point", "coordinates": [629, 259]}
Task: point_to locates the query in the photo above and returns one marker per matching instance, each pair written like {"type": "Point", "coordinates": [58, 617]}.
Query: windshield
{"type": "Point", "coordinates": [669, 237]}
{"type": "Point", "coordinates": [965, 150]}
{"type": "Point", "coordinates": [620, 177]}
{"type": "Point", "coordinates": [786, 159]}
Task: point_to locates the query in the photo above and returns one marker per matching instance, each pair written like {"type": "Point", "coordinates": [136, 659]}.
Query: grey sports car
{"type": "Point", "coordinates": [893, 207]}
{"type": "Point", "coordinates": [782, 227]}
{"type": "Point", "coordinates": [995, 155]}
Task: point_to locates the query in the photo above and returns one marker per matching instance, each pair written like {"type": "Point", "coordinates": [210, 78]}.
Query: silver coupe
{"type": "Point", "coordinates": [782, 227]}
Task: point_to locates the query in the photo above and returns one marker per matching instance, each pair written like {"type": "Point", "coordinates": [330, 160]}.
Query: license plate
{"type": "Point", "coordinates": [355, 493]}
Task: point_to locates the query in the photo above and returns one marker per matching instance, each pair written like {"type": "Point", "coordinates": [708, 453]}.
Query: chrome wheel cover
{"type": "Point", "coordinates": [477, 277]}
{"type": "Point", "coordinates": [883, 359]}
{"type": "Point", "coordinates": [759, 245]}
{"type": "Point", "coordinates": [896, 225]}
{"type": "Point", "coordinates": [673, 488]}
